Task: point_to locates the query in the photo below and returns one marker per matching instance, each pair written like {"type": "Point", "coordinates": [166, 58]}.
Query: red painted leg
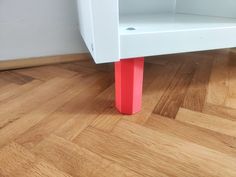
{"type": "Point", "coordinates": [129, 83]}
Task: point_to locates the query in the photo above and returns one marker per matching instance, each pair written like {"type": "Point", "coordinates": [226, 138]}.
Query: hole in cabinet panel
{"type": "Point", "coordinates": [131, 29]}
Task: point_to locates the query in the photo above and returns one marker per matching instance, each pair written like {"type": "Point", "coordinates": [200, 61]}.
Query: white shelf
{"type": "Point", "coordinates": [158, 23]}
{"type": "Point", "coordinates": [157, 34]}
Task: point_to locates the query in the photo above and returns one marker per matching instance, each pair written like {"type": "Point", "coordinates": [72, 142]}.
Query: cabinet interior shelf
{"type": "Point", "coordinates": [164, 23]}
{"type": "Point", "coordinates": [158, 34]}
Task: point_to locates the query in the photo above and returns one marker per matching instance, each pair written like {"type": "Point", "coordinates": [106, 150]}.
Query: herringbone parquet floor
{"type": "Point", "coordinates": [60, 120]}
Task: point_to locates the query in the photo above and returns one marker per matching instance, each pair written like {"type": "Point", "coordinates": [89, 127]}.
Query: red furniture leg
{"type": "Point", "coordinates": [128, 85]}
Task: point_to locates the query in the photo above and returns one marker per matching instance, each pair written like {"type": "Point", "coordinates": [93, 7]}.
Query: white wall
{"type": "Point", "coordinates": [31, 28]}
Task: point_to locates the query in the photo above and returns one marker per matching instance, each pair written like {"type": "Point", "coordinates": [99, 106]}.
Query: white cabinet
{"type": "Point", "coordinates": [120, 29]}
{"type": "Point", "coordinates": [125, 31]}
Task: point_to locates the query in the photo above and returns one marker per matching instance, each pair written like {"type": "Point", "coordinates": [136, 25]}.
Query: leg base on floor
{"type": "Point", "coordinates": [128, 85]}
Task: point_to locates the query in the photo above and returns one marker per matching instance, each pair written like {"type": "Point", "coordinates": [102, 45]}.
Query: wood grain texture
{"type": "Point", "coordinates": [174, 95]}
{"type": "Point", "coordinates": [220, 111]}
{"type": "Point", "coordinates": [190, 133]}
{"type": "Point", "coordinates": [197, 90]}
{"type": "Point", "coordinates": [60, 120]}
{"type": "Point", "coordinates": [13, 77]}
{"type": "Point", "coordinates": [166, 145]}
{"type": "Point", "coordinates": [219, 81]}
{"type": "Point", "coordinates": [214, 123]}
{"type": "Point", "coordinates": [24, 163]}
{"type": "Point", "coordinates": [79, 161]}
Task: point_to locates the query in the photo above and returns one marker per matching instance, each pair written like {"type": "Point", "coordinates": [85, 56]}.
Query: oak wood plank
{"type": "Point", "coordinates": [77, 161]}
{"type": "Point", "coordinates": [16, 161]}
{"type": "Point", "coordinates": [139, 159]}
{"type": "Point", "coordinates": [204, 137]}
{"type": "Point", "coordinates": [197, 90]}
{"type": "Point", "coordinates": [188, 153]}
{"type": "Point", "coordinates": [15, 108]}
{"type": "Point", "coordinates": [207, 121]}
{"type": "Point", "coordinates": [231, 97]}
{"type": "Point", "coordinates": [17, 90]}
{"type": "Point", "coordinates": [12, 130]}
{"type": "Point", "coordinates": [220, 111]}
{"type": "Point", "coordinates": [74, 126]}
{"type": "Point", "coordinates": [174, 95]}
{"type": "Point", "coordinates": [219, 81]}
{"type": "Point", "coordinates": [13, 77]}
{"type": "Point", "coordinates": [87, 89]}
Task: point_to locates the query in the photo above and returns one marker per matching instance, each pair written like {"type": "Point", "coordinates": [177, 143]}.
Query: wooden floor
{"type": "Point", "coordinates": [60, 120]}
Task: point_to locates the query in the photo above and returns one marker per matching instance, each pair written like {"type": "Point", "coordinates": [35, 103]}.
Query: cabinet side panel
{"type": "Point", "coordinates": [146, 6]}
{"type": "Point", "coordinates": [221, 8]}
{"type": "Point", "coordinates": [106, 30]}
{"type": "Point", "coordinates": [86, 23]}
